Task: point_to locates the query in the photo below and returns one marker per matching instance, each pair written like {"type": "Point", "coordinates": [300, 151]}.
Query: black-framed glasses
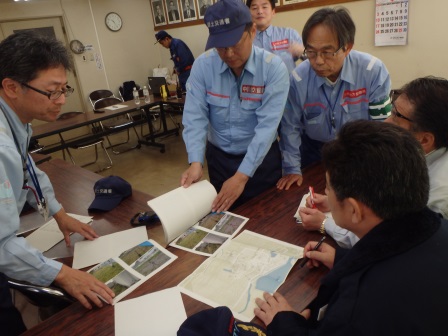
{"type": "Point", "coordinates": [311, 54]}
{"type": "Point", "coordinates": [397, 114]}
{"type": "Point", "coordinates": [52, 95]}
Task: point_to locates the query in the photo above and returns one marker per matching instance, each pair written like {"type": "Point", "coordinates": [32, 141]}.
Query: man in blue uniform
{"type": "Point", "coordinates": [235, 99]}
{"type": "Point", "coordinates": [284, 42]}
{"type": "Point", "coordinates": [33, 86]}
{"type": "Point", "coordinates": [420, 108]}
{"type": "Point", "coordinates": [334, 85]}
{"type": "Point", "coordinates": [180, 54]}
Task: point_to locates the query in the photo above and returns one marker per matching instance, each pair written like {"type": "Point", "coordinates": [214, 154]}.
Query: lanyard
{"type": "Point", "coordinates": [28, 166]}
{"type": "Point", "coordinates": [332, 117]}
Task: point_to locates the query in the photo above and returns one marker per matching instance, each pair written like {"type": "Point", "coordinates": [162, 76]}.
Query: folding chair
{"type": "Point", "coordinates": [116, 124]}
{"type": "Point", "coordinates": [82, 142]}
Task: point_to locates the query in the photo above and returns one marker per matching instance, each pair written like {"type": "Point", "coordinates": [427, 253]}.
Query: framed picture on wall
{"type": "Point", "coordinates": [158, 13]}
{"type": "Point", "coordinates": [188, 10]}
{"type": "Point", "coordinates": [290, 2]}
{"type": "Point", "coordinates": [203, 5]}
{"type": "Point", "coordinates": [172, 10]}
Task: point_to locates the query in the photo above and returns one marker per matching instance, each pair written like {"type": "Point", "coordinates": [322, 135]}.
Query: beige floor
{"type": "Point", "coordinates": [146, 169]}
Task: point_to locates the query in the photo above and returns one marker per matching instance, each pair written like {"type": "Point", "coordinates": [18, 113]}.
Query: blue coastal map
{"type": "Point", "coordinates": [241, 271]}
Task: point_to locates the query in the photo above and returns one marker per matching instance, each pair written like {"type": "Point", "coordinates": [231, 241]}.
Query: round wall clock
{"type": "Point", "coordinates": [113, 21]}
{"type": "Point", "coordinates": [76, 46]}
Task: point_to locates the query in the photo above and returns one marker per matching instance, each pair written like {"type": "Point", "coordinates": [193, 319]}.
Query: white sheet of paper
{"type": "Point", "coordinates": [160, 313]}
{"type": "Point", "coordinates": [114, 107]}
{"type": "Point", "coordinates": [303, 205]}
{"type": "Point", "coordinates": [48, 235]}
{"type": "Point", "coordinates": [91, 252]}
{"type": "Point", "coordinates": [181, 208]}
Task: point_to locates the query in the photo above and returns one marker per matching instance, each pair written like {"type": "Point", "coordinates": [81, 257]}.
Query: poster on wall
{"type": "Point", "coordinates": [172, 8]}
{"type": "Point", "coordinates": [203, 5]}
{"type": "Point", "coordinates": [290, 2]}
{"type": "Point", "coordinates": [158, 12]}
{"type": "Point", "coordinates": [188, 10]}
{"type": "Point", "coordinates": [391, 22]}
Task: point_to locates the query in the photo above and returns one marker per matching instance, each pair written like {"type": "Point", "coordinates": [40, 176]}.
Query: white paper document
{"type": "Point", "coordinates": [303, 205]}
{"type": "Point", "coordinates": [160, 313]}
{"type": "Point", "coordinates": [241, 271]}
{"type": "Point", "coordinates": [48, 235]}
{"type": "Point", "coordinates": [183, 207]}
{"type": "Point", "coordinates": [188, 223]}
{"type": "Point", "coordinates": [114, 107]}
{"type": "Point", "coordinates": [91, 252]}
{"type": "Point", "coordinates": [128, 270]}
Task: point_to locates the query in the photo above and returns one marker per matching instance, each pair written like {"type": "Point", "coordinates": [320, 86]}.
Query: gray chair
{"type": "Point", "coordinates": [98, 94]}
{"type": "Point", "coordinates": [48, 299]}
{"type": "Point", "coordinates": [83, 141]}
{"type": "Point", "coordinates": [116, 124]}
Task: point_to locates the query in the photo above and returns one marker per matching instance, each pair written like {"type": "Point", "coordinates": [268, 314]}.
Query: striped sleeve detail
{"type": "Point", "coordinates": [381, 109]}
{"type": "Point", "coordinates": [371, 63]}
{"type": "Point", "coordinates": [296, 76]}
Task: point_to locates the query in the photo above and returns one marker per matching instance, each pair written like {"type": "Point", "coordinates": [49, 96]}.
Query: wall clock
{"type": "Point", "coordinates": [113, 21]}
{"type": "Point", "coordinates": [76, 46]}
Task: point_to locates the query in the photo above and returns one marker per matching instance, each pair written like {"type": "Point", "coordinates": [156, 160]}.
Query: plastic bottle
{"type": "Point", "coordinates": [136, 97]}
{"type": "Point", "coordinates": [146, 94]}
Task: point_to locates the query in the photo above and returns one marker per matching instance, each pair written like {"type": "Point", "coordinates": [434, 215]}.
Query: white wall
{"type": "Point", "coordinates": [131, 53]}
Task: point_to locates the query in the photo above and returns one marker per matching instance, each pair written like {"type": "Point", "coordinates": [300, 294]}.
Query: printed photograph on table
{"type": "Point", "coordinates": [203, 5]}
{"type": "Point", "coordinates": [158, 13]}
{"type": "Point", "coordinates": [188, 10]}
{"type": "Point", "coordinates": [132, 267]}
{"type": "Point", "coordinates": [210, 233]}
{"type": "Point", "coordinates": [172, 10]}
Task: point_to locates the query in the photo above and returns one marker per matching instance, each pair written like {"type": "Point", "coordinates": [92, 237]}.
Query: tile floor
{"type": "Point", "coordinates": [146, 169]}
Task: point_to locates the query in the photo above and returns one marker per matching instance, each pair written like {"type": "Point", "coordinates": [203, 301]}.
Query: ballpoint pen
{"type": "Point", "coordinates": [312, 197]}
{"type": "Point", "coordinates": [305, 259]}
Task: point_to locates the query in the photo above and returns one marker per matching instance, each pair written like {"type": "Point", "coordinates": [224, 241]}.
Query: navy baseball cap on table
{"type": "Point", "coordinates": [161, 35]}
{"type": "Point", "coordinates": [226, 21]}
{"type": "Point", "coordinates": [218, 322]}
{"type": "Point", "coordinates": [109, 192]}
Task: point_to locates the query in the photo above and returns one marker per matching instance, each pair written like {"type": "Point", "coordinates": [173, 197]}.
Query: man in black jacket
{"type": "Point", "coordinates": [393, 281]}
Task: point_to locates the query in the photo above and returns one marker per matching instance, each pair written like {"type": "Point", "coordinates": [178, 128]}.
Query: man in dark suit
{"type": "Point", "coordinates": [188, 12]}
{"type": "Point", "coordinates": [173, 13]}
{"type": "Point", "coordinates": [160, 18]}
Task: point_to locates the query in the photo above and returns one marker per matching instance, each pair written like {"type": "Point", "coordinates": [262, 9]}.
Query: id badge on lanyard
{"type": "Point", "coordinates": [40, 199]}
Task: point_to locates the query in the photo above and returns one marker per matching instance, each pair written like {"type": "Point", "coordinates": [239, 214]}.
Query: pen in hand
{"type": "Point", "coordinates": [312, 197]}
{"type": "Point", "coordinates": [305, 259]}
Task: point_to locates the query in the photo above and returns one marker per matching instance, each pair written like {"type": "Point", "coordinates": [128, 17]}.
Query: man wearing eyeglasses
{"type": "Point", "coordinates": [235, 99]}
{"type": "Point", "coordinates": [335, 85]}
{"type": "Point", "coordinates": [420, 108]}
{"type": "Point", "coordinates": [33, 86]}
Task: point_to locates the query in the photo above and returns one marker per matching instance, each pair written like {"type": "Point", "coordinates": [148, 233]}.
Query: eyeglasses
{"type": "Point", "coordinates": [311, 54]}
{"type": "Point", "coordinates": [236, 48]}
{"type": "Point", "coordinates": [52, 95]}
{"type": "Point", "coordinates": [397, 114]}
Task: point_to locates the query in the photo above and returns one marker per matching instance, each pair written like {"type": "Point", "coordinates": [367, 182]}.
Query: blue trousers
{"type": "Point", "coordinates": [310, 151]}
{"type": "Point", "coordinates": [183, 77]}
{"type": "Point", "coordinates": [222, 166]}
